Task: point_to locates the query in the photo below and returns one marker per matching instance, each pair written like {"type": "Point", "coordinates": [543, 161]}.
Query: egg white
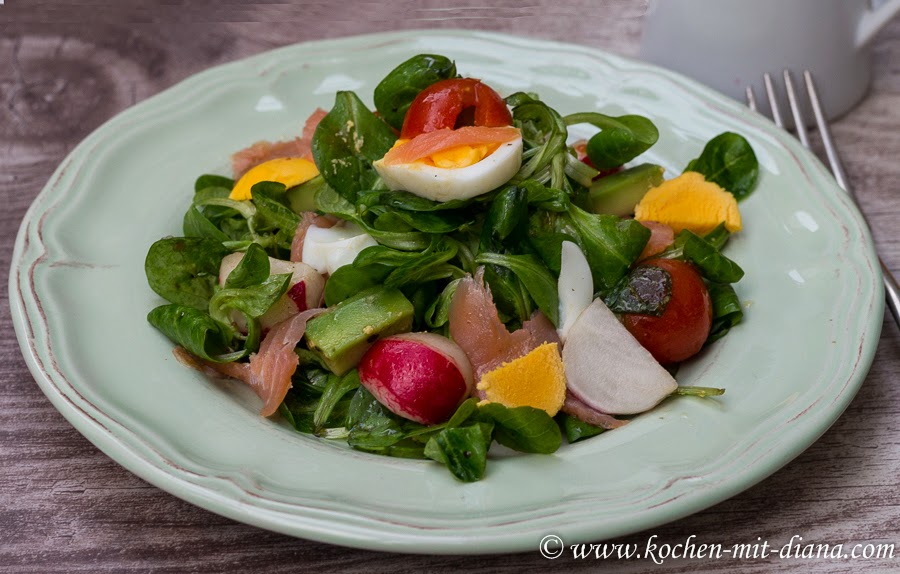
{"type": "Point", "coordinates": [326, 249]}
{"type": "Point", "coordinates": [446, 184]}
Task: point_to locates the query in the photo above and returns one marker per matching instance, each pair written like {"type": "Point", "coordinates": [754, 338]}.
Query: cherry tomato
{"type": "Point", "coordinates": [684, 326]}
{"type": "Point", "coordinates": [452, 104]}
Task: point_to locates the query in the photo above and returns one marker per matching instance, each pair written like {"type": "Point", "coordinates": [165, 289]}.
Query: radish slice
{"type": "Point", "coordinates": [575, 287]}
{"type": "Point", "coordinates": [608, 370]}
{"type": "Point", "coordinates": [422, 377]}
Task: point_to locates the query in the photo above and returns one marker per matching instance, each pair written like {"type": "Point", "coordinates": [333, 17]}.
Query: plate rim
{"type": "Point", "coordinates": [416, 541]}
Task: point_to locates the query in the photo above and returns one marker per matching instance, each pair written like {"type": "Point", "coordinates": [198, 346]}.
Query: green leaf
{"type": "Point", "coordinates": [440, 222]}
{"type": "Point", "coordinates": [252, 269]}
{"type": "Point", "coordinates": [727, 311]}
{"type": "Point", "coordinates": [463, 412]}
{"type": "Point", "coordinates": [194, 330]}
{"type": "Point", "coordinates": [712, 264]}
{"type": "Point", "coordinates": [196, 224]}
{"type": "Point", "coordinates": [620, 140]}
{"type": "Point", "coordinates": [467, 411]}
{"type": "Point", "coordinates": [544, 132]}
{"type": "Point", "coordinates": [462, 449]}
{"type": "Point", "coordinates": [345, 144]}
{"type": "Point", "coordinates": [508, 211]}
{"type": "Point", "coordinates": [424, 267]}
{"type": "Point", "coordinates": [184, 270]}
{"type": "Point", "coordinates": [408, 201]}
{"type": "Point", "coordinates": [337, 389]}
{"type": "Point", "coordinates": [371, 425]}
{"type": "Point", "coordinates": [576, 429]}
{"type": "Point", "coordinates": [396, 92]}
{"type": "Point", "coordinates": [215, 201]}
{"type": "Point", "coordinates": [331, 202]}
{"type": "Point", "coordinates": [525, 429]}
{"type": "Point", "coordinates": [510, 296]}
{"type": "Point", "coordinates": [299, 406]}
{"type": "Point", "coordinates": [389, 221]}
{"type": "Point", "coordinates": [535, 277]}
{"type": "Point", "coordinates": [646, 291]}
{"type": "Point", "coordinates": [252, 301]}
{"type": "Point", "coordinates": [349, 280]}
{"type": "Point", "coordinates": [729, 161]}
{"type": "Point", "coordinates": [383, 255]}
{"type": "Point", "coordinates": [610, 244]}
{"type": "Point", "coordinates": [578, 171]}
{"type": "Point", "coordinates": [272, 209]}
{"type": "Point", "coordinates": [404, 448]}
{"type": "Point", "coordinates": [544, 197]}
{"type": "Point", "coordinates": [546, 232]}
{"type": "Point", "coordinates": [718, 237]}
{"type": "Point", "coordinates": [210, 180]}
{"type": "Point", "coordinates": [404, 241]}
{"type": "Point", "coordinates": [438, 313]}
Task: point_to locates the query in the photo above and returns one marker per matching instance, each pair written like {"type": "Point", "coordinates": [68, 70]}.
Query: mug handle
{"type": "Point", "coordinates": [874, 20]}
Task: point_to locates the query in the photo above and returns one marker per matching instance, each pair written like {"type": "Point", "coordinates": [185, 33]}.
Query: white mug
{"type": "Point", "coordinates": [729, 44]}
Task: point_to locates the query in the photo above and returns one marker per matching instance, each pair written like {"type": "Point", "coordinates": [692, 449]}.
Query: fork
{"type": "Point", "coordinates": [891, 289]}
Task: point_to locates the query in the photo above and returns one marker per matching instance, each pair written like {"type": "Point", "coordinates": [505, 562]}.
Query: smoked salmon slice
{"type": "Point", "coordinates": [476, 327]}
{"type": "Point", "coordinates": [263, 151]}
{"type": "Point", "coordinates": [273, 366]}
{"type": "Point", "coordinates": [270, 370]}
{"type": "Point", "coordinates": [427, 144]}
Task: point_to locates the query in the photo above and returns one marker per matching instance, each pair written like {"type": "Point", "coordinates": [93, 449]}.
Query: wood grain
{"type": "Point", "coordinates": [66, 67]}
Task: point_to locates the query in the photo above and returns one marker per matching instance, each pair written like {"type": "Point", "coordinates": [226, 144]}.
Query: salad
{"type": "Point", "coordinates": [450, 270]}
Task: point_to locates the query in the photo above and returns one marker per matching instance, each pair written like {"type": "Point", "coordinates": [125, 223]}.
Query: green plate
{"type": "Point", "coordinates": [79, 301]}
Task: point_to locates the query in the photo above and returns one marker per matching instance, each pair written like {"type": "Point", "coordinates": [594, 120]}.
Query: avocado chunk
{"type": "Point", "coordinates": [343, 334]}
{"type": "Point", "coordinates": [617, 194]}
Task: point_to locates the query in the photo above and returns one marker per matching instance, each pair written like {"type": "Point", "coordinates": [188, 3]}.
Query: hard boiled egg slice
{"type": "Point", "coordinates": [690, 202]}
{"type": "Point", "coordinates": [444, 165]}
{"type": "Point", "coordinates": [328, 248]}
{"type": "Point", "coordinates": [290, 171]}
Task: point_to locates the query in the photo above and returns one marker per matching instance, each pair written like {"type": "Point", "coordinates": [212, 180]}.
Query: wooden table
{"type": "Point", "coordinates": [67, 66]}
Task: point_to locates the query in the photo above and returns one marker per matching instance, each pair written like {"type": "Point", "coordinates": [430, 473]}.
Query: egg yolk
{"type": "Point", "coordinates": [690, 202]}
{"type": "Point", "coordinates": [289, 171]}
{"type": "Point", "coordinates": [536, 380]}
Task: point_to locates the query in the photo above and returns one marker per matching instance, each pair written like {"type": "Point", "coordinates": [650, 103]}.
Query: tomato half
{"type": "Point", "coordinates": [455, 103]}
{"type": "Point", "coordinates": [684, 326]}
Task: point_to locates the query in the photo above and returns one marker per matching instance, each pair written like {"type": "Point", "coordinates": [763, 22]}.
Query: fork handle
{"type": "Point", "coordinates": [891, 292]}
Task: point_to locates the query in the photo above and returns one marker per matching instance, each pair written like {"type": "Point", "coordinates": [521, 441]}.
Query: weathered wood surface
{"type": "Point", "coordinates": [67, 66]}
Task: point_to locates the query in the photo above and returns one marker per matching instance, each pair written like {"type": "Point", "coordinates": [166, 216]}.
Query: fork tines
{"type": "Point", "coordinates": [891, 287]}
{"type": "Point", "coordinates": [799, 121]}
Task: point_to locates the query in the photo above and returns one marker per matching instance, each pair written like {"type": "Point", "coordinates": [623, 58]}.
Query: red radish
{"type": "Point", "coordinates": [422, 377]}
{"type": "Point", "coordinates": [305, 291]}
